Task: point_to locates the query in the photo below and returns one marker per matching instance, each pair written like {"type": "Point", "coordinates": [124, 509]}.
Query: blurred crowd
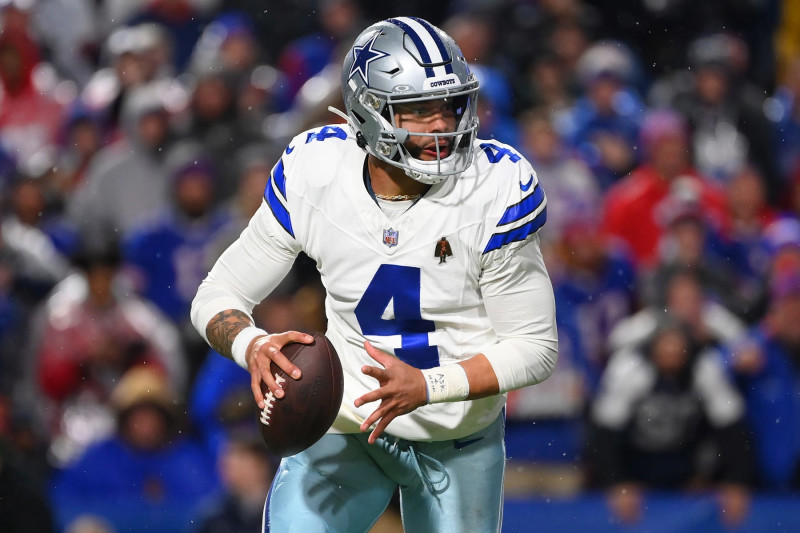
{"type": "Point", "coordinates": [136, 137]}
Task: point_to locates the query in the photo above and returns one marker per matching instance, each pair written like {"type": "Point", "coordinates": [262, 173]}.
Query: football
{"type": "Point", "coordinates": [309, 406]}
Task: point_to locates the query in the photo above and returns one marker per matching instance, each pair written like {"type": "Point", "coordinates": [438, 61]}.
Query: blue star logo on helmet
{"type": "Point", "coordinates": [363, 56]}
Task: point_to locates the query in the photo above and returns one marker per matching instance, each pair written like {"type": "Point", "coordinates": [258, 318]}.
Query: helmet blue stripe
{"type": "Point", "coordinates": [423, 52]}
{"type": "Point", "coordinates": [439, 43]}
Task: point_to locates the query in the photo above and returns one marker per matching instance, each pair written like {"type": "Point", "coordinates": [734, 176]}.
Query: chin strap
{"type": "Point", "coordinates": [362, 142]}
{"type": "Point", "coordinates": [338, 112]}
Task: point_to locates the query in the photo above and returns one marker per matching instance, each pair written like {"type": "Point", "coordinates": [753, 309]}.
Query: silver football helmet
{"type": "Point", "coordinates": [402, 61]}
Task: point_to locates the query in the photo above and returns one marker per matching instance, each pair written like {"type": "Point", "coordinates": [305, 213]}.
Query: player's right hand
{"type": "Point", "coordinates": [265, 350]}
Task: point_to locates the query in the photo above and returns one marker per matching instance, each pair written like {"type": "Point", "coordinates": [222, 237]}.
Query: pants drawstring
{"type": "Point", "coordinates": [434, 485]}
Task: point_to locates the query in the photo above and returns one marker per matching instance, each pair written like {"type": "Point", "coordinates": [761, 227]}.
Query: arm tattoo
{"type": "Point", "coordinates": [224, 327]}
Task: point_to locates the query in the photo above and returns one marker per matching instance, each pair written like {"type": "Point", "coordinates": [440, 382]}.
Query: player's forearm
{"type": "Point", "coordinates": [519, 362]}
{"type": "Point", "coordinates": [481, 377]}
{"type": "Point", "coordinates": [223, 328]}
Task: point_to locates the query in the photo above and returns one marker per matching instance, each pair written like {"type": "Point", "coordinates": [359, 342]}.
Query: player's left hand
{"type": "Point", "coordinates": [402, 389]}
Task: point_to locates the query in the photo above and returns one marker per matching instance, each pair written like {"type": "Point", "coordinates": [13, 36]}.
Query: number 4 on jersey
{"type": "Point", "coordinates": [496, 153]}
{"type": "Point", "coordinates": [400, 286]}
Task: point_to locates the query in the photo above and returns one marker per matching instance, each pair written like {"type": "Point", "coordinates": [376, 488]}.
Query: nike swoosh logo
{"type": "Point", "coordinates": [458, 444]}
{"type": "Point", "coordinates": [289, 149]}
{"type": "Point", "coordinates": [526, 186]}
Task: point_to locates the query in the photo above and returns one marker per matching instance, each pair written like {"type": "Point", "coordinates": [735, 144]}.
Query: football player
{"type": "Point", "coordinates": [429, 347]}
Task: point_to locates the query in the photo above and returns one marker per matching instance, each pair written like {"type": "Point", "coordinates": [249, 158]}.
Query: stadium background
{"type": "Point", "coordinates": [135, 140]}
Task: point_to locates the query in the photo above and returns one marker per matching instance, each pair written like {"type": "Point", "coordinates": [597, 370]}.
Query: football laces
{"type": "Point", "coordinates": [269, 400]}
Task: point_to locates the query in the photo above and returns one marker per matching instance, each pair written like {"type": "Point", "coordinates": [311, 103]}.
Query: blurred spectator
{"type": "Point", "coordinates": [128, 181]}
{"type": "Point", "coordinates": [32, 211]}
{"type": "Point", "coordinates": [633, 206]}
{"type": "Point", "coordinates": [783, 109]}
{"type": "Point", "coordinates": [528, 37]}
{"type": "Point", "coordinates": [246, 469]}
{"type": "Point", "coordinates": [221, 401]}
{"type": "Point", "coordinates": [253, 164]}
{"type": "Point", "coordinates": [40, 249]}
{"type": "Point", "coordinates": [603, 124]}
{"type": "Point", "coordinates": [568, 38]}
{"type": "Point", "coordinates": [750, 215]}
{"type": "Point", "coordinates": [23, 506]}
{"type": "Point", "coordinates": [148, 475]}
{"type": "Point", "coordinates": [691, 242]}
{"type": "Point", "coordinates": [229, 41]}
{"type": "Point", "coordinates": [30, 116]}
{"type": "Point", "coordinates": [87, 334]}
{"type": "Point", "coordinates": [132, 57]}
{"type": "Point", "coordinates": [23, 444]}
{"type": "Point", "coordinates": [74, 48]}
{"type": "Point", "coordinates": [667, 417]}
{"type": "Point", "coordinates": [168, 256]}
{"type": "Point", "coordinates": [662, 31]}
{"type": "Point", "coordinates": [305, 57]}
{"type": "Point", "coordinates": [782, 246]}
{"type": "Point", "coordinates": [30, 266]}
{"type": "Point", "coordinates": [768, 374]}
{"type": "Point", "coordinates": [475, 36]}
{"type": "Point", "coordinates": [595, 287]}
{"type": "Point", "coordinates": [229, 44]}
{"type": "Point", "coordinates": [215, 123]}
{"type": "Point", "coordinates": [310, 107]}
{"type": "Point", "coordinates": [681, 294]}
{"type": "Point", "coordinates": [181, 19]}
{"type": "Point", "coordinates": [544, 83]}
{"type": "Point", "coordinates": [83, 135]}
{"type": "Point", "coordinates": [569, 184]}
{"type": "Point", "coordinates": [728, 126]}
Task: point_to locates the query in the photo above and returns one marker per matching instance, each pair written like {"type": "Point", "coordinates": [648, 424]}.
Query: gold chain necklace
{"type": "Point", "coordinates": [397, 197]}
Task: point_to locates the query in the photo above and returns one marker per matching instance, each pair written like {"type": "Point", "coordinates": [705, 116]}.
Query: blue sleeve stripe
{"type": "Point", "coordinates": [280, 178]}
{"type": "Point", "coordinates": [279, 211]}
{"type": "Point", "coordinates": [528, 205]}
{"type": "Point", "coordinates": [498, 240]}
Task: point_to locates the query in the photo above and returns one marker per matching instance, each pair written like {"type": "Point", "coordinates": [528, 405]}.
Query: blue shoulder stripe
{"type": "Point", "coordinates": [423, 52]}
{"type": "Point", "coordinates": [528, 205]}
{"type": "Point", "coordinates": [280, 212]}
{"type": "Point", "coordinates": [280, 178]}
{"type": "Point", "coordinates": [498, 240]}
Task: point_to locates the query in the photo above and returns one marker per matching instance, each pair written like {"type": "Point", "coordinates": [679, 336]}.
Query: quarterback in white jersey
{"type": "Point", "coordinates": [437, 297]}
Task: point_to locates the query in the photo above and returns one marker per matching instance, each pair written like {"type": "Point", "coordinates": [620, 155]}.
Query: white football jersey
{"type": "Point", "coordinates": [410, 284]}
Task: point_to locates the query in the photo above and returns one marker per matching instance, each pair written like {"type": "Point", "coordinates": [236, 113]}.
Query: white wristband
{"type": "Point", "coordinates": [446, 383]}
{"type": "Point", "coordinates": [242, 341]}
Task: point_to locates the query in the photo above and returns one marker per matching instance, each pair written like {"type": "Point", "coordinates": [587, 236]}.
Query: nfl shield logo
{"type": "Point", "coordinates": [390, 237]}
